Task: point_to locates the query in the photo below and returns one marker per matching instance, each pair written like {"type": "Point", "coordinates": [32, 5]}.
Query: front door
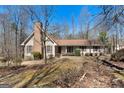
{"type": "Point", "coordinates": [59, 49]}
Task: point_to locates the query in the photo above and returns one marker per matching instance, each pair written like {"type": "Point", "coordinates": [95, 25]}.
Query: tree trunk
{"type": "Point", "coordinates": [16, 43]}
{"type": "Point", "coordinates": [116, 38]}
{"type": "Point", "coordinates": [4, 42]}
{"type": "Point", "coordinates": [45, 52]}
{"type": "Point", "coordinates": [44, 46]}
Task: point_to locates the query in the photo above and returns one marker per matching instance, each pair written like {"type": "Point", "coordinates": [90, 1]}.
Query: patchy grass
{"type": "Point", "coordinates": [62, 72]}
{"type": "Point", "coordinates": [119, 75]}
{"type": "Point", "coordinates": [38, 76]}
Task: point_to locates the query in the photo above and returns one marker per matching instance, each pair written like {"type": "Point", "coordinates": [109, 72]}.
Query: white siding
{"type": "Point", "coordinates": [91, 50]}
{"type": "Point", "coordinates": [83, 51]}
{"type": "Point", "coordinates": [53, 44]}
{"type": "Point", "coordinates": [48, 43]}
{"type": "Point", "coordinates": [63, 49]}
{"type": "Point", "coordinates": [29, 43]}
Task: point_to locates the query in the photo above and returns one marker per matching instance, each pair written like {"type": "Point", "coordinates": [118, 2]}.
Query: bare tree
{"type": "Point", "coordinates": [47, 14]}
{"type": "Point", "coordinates": [65, 29]}
{"type": "Point", "coordinates": [60, 30]}
{"type": "Point", "coordinates": [84, 22]}
{"type": "Point", "coordinates": [6, 37]}
{"type": "Point", "coordinates": [3, 22]}
{"type": "Point", "coordinates": [19, 21]}
{"type": "Point", "coordinates": [73, 26]}
{"type": "Point", "coordinates": [43, 14]}
{"type": "Point", "coordinates": [112, 17]}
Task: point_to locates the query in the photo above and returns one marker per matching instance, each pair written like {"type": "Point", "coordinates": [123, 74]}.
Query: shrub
{"type": "Point", "coordinates": [37, 55]}
{"type": "Point", "coordinates": [118, 56]}
{"type": "Point", "coordinates": [17, 61]}
{"type": "Point", "coordinates": [58, 54]}
{"type": "Point", "coordinates": [100, 54]}
{"type": "Point", "coordinates": [77, 52]}
{"type": "Point", "coordinates": [91, 54]}
{"type": "Point", "coordinates": [3, 60]}
{"type": "Point", "coordinates": [87, 54]}
{"type": "Point", "coordinates": [95, 54]}
{"type": "Point", "coordinates": [28, 58]}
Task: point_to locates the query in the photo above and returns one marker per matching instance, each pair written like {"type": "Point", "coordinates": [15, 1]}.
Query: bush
{"type": "Point", "coordinates": [77, 52]}
{"type": "Point", "coordinates": [95, 54]}
{"type": "Point", "coordinates": [3, 60]}
{"type": "Point", "coordinates": [18, 61]}
{"type": "Point", "coordinates": [91, 54]}
{"type": "Point", "coordinates": [28, 58]}
{"type": "Point", "coordinates": [87, 54]}
{"type": "Point", "coordinates": [101, 54]}
{"type": "Point", "coordinates": [118, 56]}
{"type": "Point", "coordinates": [37, 55]}
{"type": "Point", "coordinates": [58, 54]}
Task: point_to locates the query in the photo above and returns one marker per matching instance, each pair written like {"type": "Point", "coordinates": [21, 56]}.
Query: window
{"type": "Point", "coordinates": [29, 49]}
{"type": "Point", "coordinates": [95, 48]}
{"type": "Point", "coordinates": [49, 49]}
{"type": "Point", "coordinates": [83, 48]}
{"type": "Point", "coordinates": [69, 49]}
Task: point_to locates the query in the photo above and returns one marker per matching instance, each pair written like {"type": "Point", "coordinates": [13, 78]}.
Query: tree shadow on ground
{"type": "Point", "coordinates": [38, 75]}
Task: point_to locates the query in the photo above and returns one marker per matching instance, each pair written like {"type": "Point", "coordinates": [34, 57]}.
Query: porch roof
{"type": "Point", "coordinates": [78, 42]}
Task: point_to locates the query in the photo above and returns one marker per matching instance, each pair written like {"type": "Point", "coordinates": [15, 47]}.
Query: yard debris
{"type": "Point", "coordinates": [84, 72]}
{"type": "Point", "coordinates": [82, 77]}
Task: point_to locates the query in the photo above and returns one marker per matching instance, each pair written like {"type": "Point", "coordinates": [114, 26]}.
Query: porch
{"type": "Point", "coordinates": [84, 50]}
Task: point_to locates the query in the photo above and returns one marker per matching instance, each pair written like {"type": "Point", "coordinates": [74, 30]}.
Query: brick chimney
{"type": "Point", "coordinates": [37, 47]}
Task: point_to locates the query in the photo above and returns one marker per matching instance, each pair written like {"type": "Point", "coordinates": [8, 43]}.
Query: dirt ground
{"type": "Point", "coordinates": [38, 74]}
{"type": "Point", "coordinates": [29, 63]}
{"type": "Point", "coordinates": [96, 74]}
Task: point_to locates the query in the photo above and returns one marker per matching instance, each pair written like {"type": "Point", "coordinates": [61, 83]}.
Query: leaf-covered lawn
{"type": "Point", "coordinates": [38, 75]}
{"type": "Point", "coordinates": [63, 72]}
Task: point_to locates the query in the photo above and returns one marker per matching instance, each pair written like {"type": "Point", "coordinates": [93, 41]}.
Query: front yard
{"type": "Point", "coordinates": [62, 72]}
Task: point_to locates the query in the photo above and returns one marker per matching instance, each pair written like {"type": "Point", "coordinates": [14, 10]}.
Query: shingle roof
{"type": "Point", "coordinates": [78, 42]}
{"type": "Point", "coordinates": [73, 42]}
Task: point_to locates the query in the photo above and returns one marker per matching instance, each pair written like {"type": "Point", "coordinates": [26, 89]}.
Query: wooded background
{"type": "Point", "coordinates": [16, 23]}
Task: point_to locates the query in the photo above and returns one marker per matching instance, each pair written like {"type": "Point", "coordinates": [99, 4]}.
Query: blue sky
{"type": "Point", "coordinates": [65, 12]}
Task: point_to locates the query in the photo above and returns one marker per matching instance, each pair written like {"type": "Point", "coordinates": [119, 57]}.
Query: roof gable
{"type": "Point", "coordinates": [32, 34]}
{"type": "Point", "coordinates": [27, 39]}
{"type": "Point", "coordinates": [63, 42]}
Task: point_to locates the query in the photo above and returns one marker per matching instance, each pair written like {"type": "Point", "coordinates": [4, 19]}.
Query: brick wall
{"type": "Point", "coordinates": [37, 46]}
